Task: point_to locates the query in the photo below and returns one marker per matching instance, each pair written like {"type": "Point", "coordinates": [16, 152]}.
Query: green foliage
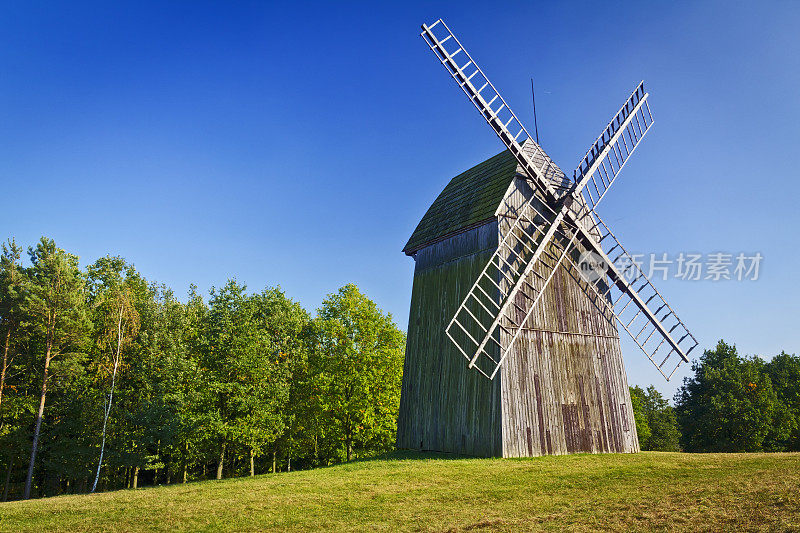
{"type": "Point", "coordinates": [157, 391]}
{"type": "Point", "coordinates": [359, 361]}
{"type": "Point", "coordinates": [55, 302]}
{"type": "Point", "coordinates": [638, 401]}
{"type": "Point", "coordinates": [55, 307]}
{"type": "Point", "coordinates": [659, 426]}
{"type": "Point", "coordinates": [729, 404]}
{"type": "Point", "coordinates": [247, 356]}
{"type": "Point", "coordinates": [784, 373]}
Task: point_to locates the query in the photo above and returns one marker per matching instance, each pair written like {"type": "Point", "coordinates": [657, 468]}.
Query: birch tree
{"type": "Point", "coordinates": [116, 322]}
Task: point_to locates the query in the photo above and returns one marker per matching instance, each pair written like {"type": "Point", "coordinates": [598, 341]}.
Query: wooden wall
{"type": "Point", "coordinates": [563, 386]}
{"type": "Point", "coordinates": [444, 405]}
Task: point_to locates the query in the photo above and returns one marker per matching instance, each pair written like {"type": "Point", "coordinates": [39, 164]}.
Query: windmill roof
{"type": "Point", "coordinates": [470, 199]}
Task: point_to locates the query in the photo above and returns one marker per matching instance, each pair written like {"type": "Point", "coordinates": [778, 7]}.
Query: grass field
{"type": "Point", "coordinates": [435, 493]}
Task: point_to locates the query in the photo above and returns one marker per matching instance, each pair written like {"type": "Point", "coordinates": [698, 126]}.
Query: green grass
{"type": "Point", "coordinates": [405, 491]}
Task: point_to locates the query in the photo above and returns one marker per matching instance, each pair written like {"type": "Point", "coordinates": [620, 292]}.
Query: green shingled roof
{"type": "Point", "coordinates": [469, 198]}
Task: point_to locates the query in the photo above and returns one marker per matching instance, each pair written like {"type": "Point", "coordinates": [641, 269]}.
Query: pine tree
{"type": "Point", "coordinates": [56, 305]}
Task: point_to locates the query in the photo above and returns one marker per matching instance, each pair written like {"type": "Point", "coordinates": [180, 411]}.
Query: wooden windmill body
{"type": "Point", "coordinates": [516, 273]}
{"type": "Point", "coordinates": [562, 390]}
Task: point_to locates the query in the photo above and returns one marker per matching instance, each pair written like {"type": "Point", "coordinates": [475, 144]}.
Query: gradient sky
{"type": "Point", "coordinates": [299, 144]}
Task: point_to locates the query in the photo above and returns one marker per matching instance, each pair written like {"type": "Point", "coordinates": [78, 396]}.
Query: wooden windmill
{"type": "Point", "coordinates": [517, 273]}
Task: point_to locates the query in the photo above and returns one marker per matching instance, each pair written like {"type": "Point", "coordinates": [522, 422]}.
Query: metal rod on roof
{"type": "Point", "coordinates": [535, 124]}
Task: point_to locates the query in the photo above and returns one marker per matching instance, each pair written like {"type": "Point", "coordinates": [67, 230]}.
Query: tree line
{"type": "Point", "coordinates": [731, 404]}
{"type": "Point", "coordinates": [110, 381]}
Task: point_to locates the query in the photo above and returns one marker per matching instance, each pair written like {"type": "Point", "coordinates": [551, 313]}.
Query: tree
{"type": "Point", "coordinates": [664, 433]}
{"type": "Point", "coordinates": [161, 389]}
{"type": "Point", "coordinates": [56, 304]}
{"type": "Point", "coordinates": [111, 293]}
{"type": "Point", "coordinates": [109, 381]}
{"type": "Point", "coordinates": [192, 394]}
{"type": "Point", "coordinates": [11, 304]}
{"type": "Point", "coordinates": [728, 405]}
{"type": "Point", "coordinates": [638, 401]}
{"type": "Point", "coordinates": [784, 373]}
{"type": "Point", "coordinates": [285, 324]}
{"type": "Point", "coordinates": [248, 372]}
{"type": "Point", "coordinates": [12, 318]}
{"type": "Point", "coordinates": [226, 330]}
{"type": "Point", "coordinates": [360, 360]}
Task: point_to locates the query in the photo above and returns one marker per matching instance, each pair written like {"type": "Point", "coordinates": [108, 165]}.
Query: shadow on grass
{"type": "Point", "coordinates": [404, 455]}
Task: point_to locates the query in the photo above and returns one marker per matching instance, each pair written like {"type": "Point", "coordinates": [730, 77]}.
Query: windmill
{"type": "Point", "coordinates": [516, 272]}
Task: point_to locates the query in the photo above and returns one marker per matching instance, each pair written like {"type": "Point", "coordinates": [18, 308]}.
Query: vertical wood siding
{"type": "Point", "coordinates": [564, 388]}
{"type": "Point", "coordinates": [444, 405]}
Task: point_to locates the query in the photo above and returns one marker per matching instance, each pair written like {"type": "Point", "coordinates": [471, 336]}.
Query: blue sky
{"type": "Point", "coordinates": [298, 144]}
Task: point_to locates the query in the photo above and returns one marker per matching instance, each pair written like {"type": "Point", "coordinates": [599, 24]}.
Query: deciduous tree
{"type": "Point", "coordinates": [112, 294]}
{"type": "Point", "coordinates": [728, 405]}
{"type": "Point", "coordinates": [360, 359]}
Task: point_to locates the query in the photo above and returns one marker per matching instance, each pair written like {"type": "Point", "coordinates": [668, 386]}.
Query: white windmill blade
{"type": "Point", "coordinates": [496, 306]}
{"type": "Point", "coordinates": [608, 154]}
{"type": "Point", "coordinates": [493, 108]}
{"type": "Point", "coordinates": [541, 236]}
{"type": "Point", "coordinates": [476, 326]}
{"type": "Point", "coordinates": [619, 286]}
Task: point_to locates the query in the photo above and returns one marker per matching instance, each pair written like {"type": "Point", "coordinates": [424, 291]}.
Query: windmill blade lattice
{"type": "Point", "coordinates": [477, 327]}
{"type": "Point", "coordinates": [526, 258]}
{"type": "Point", "coordinates": [492, 107]}
{"type": "Point", "coordinates": [608, 154]}
{"type": "Point", "coordinates": [546, 232]}
{"type": "Point", "coordinates": [620, 288]}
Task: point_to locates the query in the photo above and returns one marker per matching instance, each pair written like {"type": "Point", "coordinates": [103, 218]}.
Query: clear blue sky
{"type": "Point", "coordinates": [299, 144]}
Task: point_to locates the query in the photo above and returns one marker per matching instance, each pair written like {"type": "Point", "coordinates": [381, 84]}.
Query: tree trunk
{"type": "Point", "coordinates": [274, 461]}
{"type": "Point", "coordinates": [155, 470]}
{"type": "Point", "coordinates": [135, 477]}
{"type": "Point", "coordinates": [252, 464]}
{"type": "Point", "coordinates": [349, 448]}
{"type": "Point", "coordinates": [110, 398]}
{"type": "Point", "coordinates": [8, 478]}
{"type": "Point", "coordinates": [29, 479]}
{"type": "Point", "coordinates": [5, 365]}
{"type": "Point", "coordinates": [221, 461]}
{"type": "Point", "coordinates": [185, 462]}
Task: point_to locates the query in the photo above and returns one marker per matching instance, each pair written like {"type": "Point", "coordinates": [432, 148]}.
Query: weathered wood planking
{"type": "Point", "coordinates": [563, 386]}
{"type": "Point", "coordinates": [444, 405]}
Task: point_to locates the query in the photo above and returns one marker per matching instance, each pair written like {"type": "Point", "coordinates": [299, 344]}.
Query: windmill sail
{"type": "Point", "coordinates": [526, 258]}
{"type": "Point", "coordinates": [620, 288]}
{"type": "Point", "coordinates": [492, 107]}
{"type": "Point", "coordinates": [549, 229]}
{"type": "Point", "coordinates": [539, 233]}
{"type": "Point", "coordinates": [608, 154]}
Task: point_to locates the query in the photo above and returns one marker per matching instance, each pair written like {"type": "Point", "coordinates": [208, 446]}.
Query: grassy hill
{"type": "Point", "coordinates": [437, 492]}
